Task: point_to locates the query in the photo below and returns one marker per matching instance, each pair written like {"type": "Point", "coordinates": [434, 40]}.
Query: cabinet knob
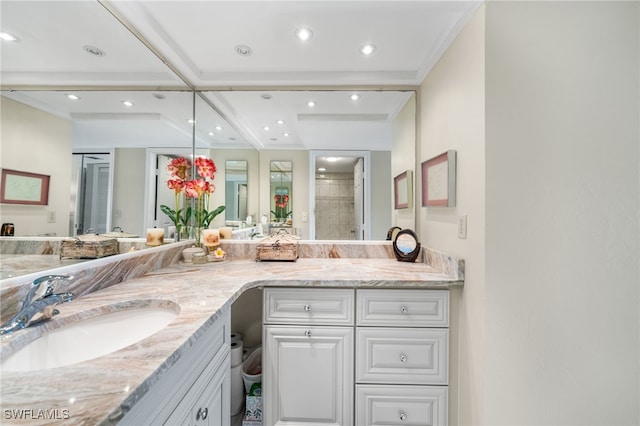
{"type": "Point", "coordinates": [403, 358]}
{"type": "Point", "coordinates": [202, 413]}
{"type": "Point", "coordinates": [403, 309]}
{"type": "Point", "coordinates": [403, 416]}
{"type": "Point", "coordinates": [307, 333]}
{"type": "Point", "coordinates": [307, 308]}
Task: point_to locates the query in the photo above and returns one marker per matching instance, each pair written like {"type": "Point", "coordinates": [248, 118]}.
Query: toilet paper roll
{"type": "Point", "coordinates": [237, 348]}
{"type": "Point", "coordinates": [236, 336]}
{"type": "Point", "coordinates": [237, 390]}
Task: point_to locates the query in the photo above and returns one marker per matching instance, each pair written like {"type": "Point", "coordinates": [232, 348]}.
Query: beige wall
{"type": "Point", "coordinates": [562, 321]}
{"type": "Point", "coordinates": [128, 190]}
{"type": "Point", "coordinates": [451, 115]}
{"type": "Point", "coordinates": [545, 120]}
{"type": "Point", "coordinates": [27, 136]}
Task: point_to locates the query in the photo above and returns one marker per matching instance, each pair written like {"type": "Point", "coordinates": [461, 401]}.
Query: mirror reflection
{"type": "Point", "coordinates": [236, 190]}
{"type": "Point", "coordinates": [281, 173]}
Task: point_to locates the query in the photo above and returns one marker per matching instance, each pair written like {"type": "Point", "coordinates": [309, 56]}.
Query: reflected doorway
{"type": "Point", "coordinates": [91, 189]}
{"type": "Point", "coordinates": [340, 202]}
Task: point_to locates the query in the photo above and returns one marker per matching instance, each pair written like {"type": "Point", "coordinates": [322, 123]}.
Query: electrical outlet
{"type": "Point", "coordinates": [462, 227]}
{"type": "Point", "coordinates": [51, 216]}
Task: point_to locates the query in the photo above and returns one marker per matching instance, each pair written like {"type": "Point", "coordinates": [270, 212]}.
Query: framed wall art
{"type": "Point", "coordinates": [439, 180]}
{"type": "Point", "coordinates": [24, 188]}
{"type": "Point", "coordinates": [403, 190]}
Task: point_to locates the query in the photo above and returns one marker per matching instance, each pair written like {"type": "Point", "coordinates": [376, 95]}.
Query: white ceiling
{"type": "Point", "coordinates": [197, 40]}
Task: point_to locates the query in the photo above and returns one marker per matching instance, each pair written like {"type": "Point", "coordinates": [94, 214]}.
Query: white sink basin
{"type": "Point", "coordinates": [92, 337]}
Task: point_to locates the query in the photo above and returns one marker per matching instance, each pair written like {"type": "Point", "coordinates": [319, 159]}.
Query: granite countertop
{"type": "Point", "coordinates": [94, 390]}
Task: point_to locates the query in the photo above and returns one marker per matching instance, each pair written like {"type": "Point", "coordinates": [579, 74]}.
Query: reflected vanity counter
{"type": "Point", "coordinates": [27, 255]}
{"type": "Point", "coordinates": [203, 294]}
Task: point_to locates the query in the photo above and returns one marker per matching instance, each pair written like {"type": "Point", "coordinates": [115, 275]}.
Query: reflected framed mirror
{"type": "Point", "coordinates": [236, 190]}
{"type": "Point", "coordinates": [281, 175]}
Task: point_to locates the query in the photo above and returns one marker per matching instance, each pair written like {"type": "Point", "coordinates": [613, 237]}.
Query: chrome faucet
{"type": "Point", "coordinates": [39, 305]}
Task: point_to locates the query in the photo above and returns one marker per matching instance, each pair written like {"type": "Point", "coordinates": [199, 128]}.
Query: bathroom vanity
{"type": "Point", "coordinates": [181, 373]}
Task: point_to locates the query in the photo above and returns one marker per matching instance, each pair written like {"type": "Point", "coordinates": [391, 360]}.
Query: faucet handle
{"type": "Point", "coordinates": [43, 287]}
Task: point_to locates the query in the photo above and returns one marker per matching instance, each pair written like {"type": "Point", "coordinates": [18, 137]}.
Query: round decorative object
{"type": "Point", "coordinates": [406, 246]}
{"type": "Point", "coordinates": [392, 232]}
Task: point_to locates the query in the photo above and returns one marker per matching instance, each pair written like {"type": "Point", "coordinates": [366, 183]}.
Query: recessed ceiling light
{"type": "Point", "coordinates": [332, 159]}
{"type": "Point", "coordinates": [211, 133]}
{"type": "Point", "coordinates": [191, 121]}
{"type": "Point", "coordinates": [311, 104]}
{"type": "Point", "coordinates": [267, 128]}
{"type": "Point", "coordinates": [367, 49]}
{"type": "Point", "coordinates": [322, 169]}
{"type": "Point", "coordinates": [8, 37]}
{"type": "Point", "coordinates": [285, 134]}
{"type": "Point", "coordinates": [265, 96]}
{"type": "Point", "coordinates": [218, 127]}
{"type": "Point", "coordinates": [280, 121]}
{"type": "Point", "coordinates": [304, 34]}
{"type": "Point", "coordinates": [126, 103]}
{"type": "Point", "coordinates": [96, 51]}
{"type": "Point", "coordinates": [73, 97]}
{"type": "Point", "coordinates": [355, 97]}
{"type": "Point", "coordinates": [243, 50]}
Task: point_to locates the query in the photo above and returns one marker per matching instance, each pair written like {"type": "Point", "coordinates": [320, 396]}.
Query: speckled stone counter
{"type": "Point", "coordinates": [94, 390]}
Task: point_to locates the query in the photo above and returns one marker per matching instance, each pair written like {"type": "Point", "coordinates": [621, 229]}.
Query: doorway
{"type": "Point", "coordinates": [339, 195]}
{"type": "Point", "coordinates": [91, 190]}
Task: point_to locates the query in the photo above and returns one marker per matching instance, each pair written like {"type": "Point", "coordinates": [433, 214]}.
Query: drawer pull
{"type": "Point", "coordinates": [307, 333]}
{"type": "Point", "coordinates": [403, 358]}
{"type": "Point", "coordinates": [403, 416]}
{"type": "Point", "coordinates": [202, 413]}
{"type": "Point", "coordinates": [307, 308]}
{"type": "Point", "coordinates": [403, 309]}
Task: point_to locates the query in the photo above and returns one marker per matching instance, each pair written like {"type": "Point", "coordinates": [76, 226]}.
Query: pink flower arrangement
{"type": "Point", "coordinates": [198, 189]}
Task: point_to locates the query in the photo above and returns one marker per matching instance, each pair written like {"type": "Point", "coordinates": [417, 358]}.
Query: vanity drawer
{"type": "Point", "coordinates": [308, 306]}
{"type": "Point", "coordinates": [402, 355]}
{"type": "Point", "coordinates": [403, 308]}
{"type": "Point", "coordinates": [401, 405]}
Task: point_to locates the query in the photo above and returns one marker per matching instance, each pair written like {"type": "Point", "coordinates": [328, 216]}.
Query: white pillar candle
{"type": "Point", "coordinates": [225, 232]}
{"type": "Point", "coordinates": [210, 237]}
{"type": "Point", "coordinates": [155, 236]}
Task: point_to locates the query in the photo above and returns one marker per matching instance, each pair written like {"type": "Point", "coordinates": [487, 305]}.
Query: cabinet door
{"type": "Point", "coordinates": [308, 375]}
{"type": "Point", "coordinates": [208, 402]}
{"type": "Point", "coordinates": [401, 405]}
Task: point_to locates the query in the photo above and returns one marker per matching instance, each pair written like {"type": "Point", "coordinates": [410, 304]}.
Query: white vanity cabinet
{"type": "Point", "coordinates": [308, 356]}
{"type": "Point", "coordinates": [196, 389]}
{"type": "Point", "coordinates": [402, 352]}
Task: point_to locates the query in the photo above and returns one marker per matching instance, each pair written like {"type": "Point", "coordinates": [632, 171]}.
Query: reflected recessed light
{"type": "Point", "coordinates": [367, 49]}
{"type": "Point", "coordinates": [243, 50]}
{"type": "Point", "coordinates": [266, 128]}
{"type": "Point", "coordinates": [127, 103]}
{"type": "Point", "coordinates": [331, 159]}
{"type": "Point", "coordinates": [280, 121]}
{"type": "Point", "coordinates": [304, 34]}
{"type": "Point", "coordinates": [191, 121]}
{"type": "Point", "coordinates": [211, 133]}
{"type": "Point", "coordinates": [355, 97]}
{"type": "Point", "coordinates": [73, 97]}
{"type": "Point", "coordinates": [322, 169]}
{"type": "Point", "coordinates": [311, 104]}
{"type": "Point", "coordinates": [96, 51]}
{"type": "Point", "coordinates": [218, 127]}
{"type": "Point", "coordinates": [285, 134]}
{"type": "Point", "coordinates": [8, 37]}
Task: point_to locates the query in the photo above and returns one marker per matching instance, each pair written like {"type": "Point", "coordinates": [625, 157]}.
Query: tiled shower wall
{"type": "Point", "coordinates": [334, 206]}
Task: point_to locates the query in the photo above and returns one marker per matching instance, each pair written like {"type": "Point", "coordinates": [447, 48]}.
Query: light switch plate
{"type": "Point", "coordinates": [51, 216]}
{"type": "Point", "coordinates": [462, 227]}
